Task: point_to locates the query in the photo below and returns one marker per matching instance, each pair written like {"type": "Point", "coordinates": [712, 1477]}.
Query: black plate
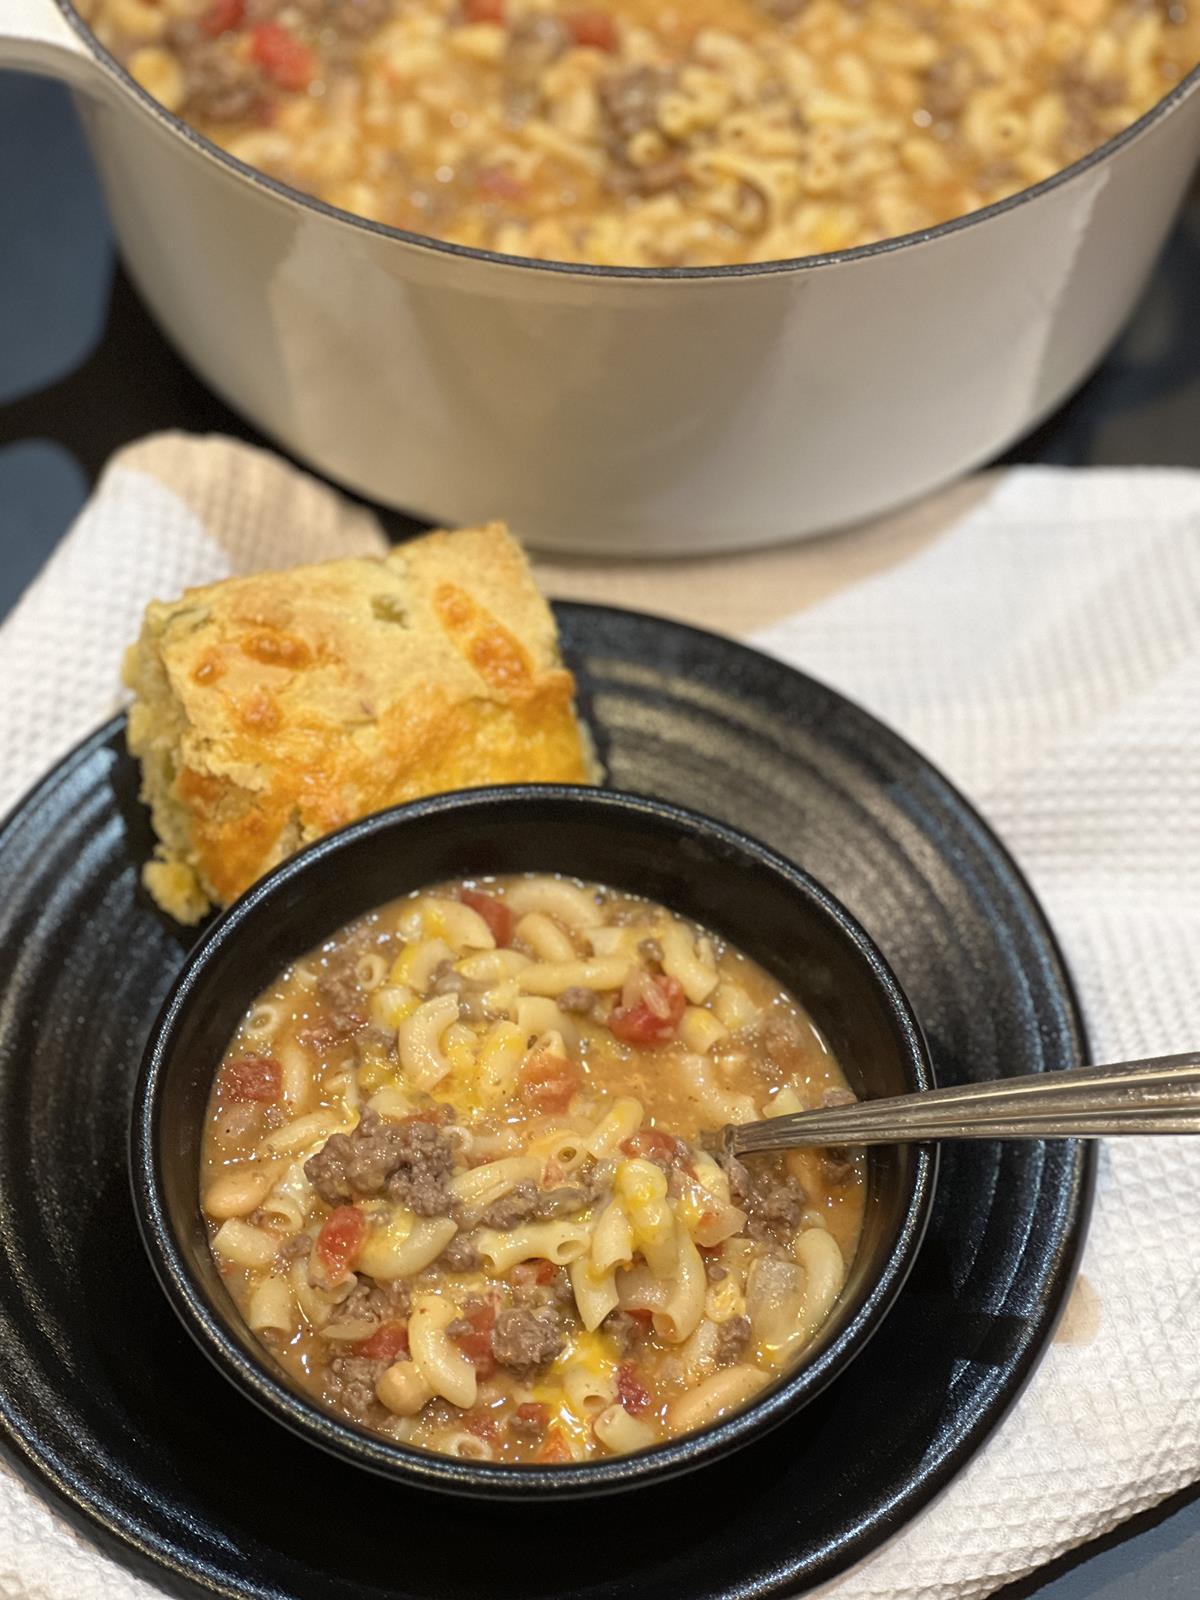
{"type": "Point", "coordinates": [109, 1408]}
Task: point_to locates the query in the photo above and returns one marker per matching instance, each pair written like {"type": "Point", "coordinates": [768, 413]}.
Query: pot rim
{"type": "Point", "coordinates": [426, 244]}
{"type": "Point", "coordinates": [252, 1374]}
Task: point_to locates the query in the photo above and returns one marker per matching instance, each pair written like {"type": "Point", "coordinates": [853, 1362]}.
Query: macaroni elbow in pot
{"type": "Point", "coordinates": [639, 278]}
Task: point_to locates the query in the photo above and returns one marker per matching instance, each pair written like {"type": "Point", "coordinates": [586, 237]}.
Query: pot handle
{"type": "Point", "coordinates": [35, 36]}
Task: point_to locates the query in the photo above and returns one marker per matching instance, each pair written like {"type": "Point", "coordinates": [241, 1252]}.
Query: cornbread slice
{"type": "Point", "coordinates": [272, 709]}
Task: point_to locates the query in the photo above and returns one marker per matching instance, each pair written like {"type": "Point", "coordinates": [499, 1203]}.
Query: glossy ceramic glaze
{"type": "Point", "coordinates": [710, 873]}
{"type": "Point", "coordinates": [620, 411]}
{"type": "Point", "coordinates": [109, 1408]}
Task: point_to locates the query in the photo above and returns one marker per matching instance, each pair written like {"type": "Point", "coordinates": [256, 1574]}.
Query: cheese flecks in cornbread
{"type": "Point", "coordinates": [272, 709]}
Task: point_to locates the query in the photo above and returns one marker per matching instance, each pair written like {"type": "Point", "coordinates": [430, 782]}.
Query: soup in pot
{"type": "Point", "coordinates": [656, 133]}
{"type": "Point", "coordinates": [460, 1176]}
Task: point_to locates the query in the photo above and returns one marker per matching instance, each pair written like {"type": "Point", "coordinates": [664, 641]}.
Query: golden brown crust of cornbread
{"type": "Point", "coordinates": [272, 709]}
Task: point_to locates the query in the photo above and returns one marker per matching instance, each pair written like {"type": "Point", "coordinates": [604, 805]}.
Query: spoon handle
{"type": "Point", "coordinates": [1158, 1095]}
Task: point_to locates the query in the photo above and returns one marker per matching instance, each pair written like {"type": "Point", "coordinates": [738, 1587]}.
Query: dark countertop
{"type": "Point", "coordinates": [83, 371]}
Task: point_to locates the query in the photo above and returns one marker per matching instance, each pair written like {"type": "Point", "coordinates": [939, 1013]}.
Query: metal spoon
{"type": "Point", "coordinates": [1158, 1095]}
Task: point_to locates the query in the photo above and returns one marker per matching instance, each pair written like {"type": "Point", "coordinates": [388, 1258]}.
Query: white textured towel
{"type": "Point", "coordinates": [1060, 687]}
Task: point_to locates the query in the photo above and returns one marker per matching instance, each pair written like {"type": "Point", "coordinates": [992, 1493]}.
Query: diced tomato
{"type": "Point", "coordinates": [285, 59]}
{"type": "Point", "coordinates": [483, 1315]}
{"type": "Point", "coordinates": [594, 29]}
{"type": "Point", "coordinates": [642, 1316]}
{"type": "Point", "coordinates": [482, 1424]}
{"type": "Point", "coordinates": [651, 1142]}
{"type": "Point", "coordinates": [554, 1447]}
{"type": "Point", "coordinates": [638, 1024]}
{"type": "Point", "coordinates": [631, 1391]}
{"type": "Point", "coordinates": [546, 1082]}
{"type": "Point", "coordinates": [494, 912]}
{"type": "Point", "coordinates": [249, 1078]}
{"type": "Point", "coordinates": [497, 183]}
{"type": "Point", "coordinates": [477, 1345]}
{"type": "Point", "coordinates": [388, 1341]}
{"type": "Point", "coordinates": [340, 1240]}
{"type": "Point", "coordinates": [533, 1412]}
{"type": "Point", "coordinates": [221, 17]}
{"type": "Point", "coordinates": [527, 1273]}
{"type": "Point", "coordinates": [483, 10]}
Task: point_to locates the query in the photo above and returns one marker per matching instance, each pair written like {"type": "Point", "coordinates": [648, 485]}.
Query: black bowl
{"type": "Point", "coordinates": [719, 877]}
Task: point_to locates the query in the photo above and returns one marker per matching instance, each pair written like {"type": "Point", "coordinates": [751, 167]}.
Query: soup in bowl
{"type": "Point", "coordinates": [462, 1175]}
{"type": "Point", "coordinates": [425, 1143]}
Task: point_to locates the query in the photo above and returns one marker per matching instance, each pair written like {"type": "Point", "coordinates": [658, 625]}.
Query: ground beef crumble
{"type": "Point", "coordinates": [772, 1202]}
{"type": "Point", "coordinates": [732, 1338]}
{"type": "Point", "coordinates": [460, 1255]}
{"type": "Point", "coordinates": [350, 1385]}
{"type": "Point", "coordinates": [411, 1161]}
{"type": "Point", "coordinates": [624, 1329]}
{"type": "Point", "coordinates": [525, 1339]}
{"type": "Point", "coordinates": [525, 1200]}
{"type": "Point", "coordinates": [370, 1301]}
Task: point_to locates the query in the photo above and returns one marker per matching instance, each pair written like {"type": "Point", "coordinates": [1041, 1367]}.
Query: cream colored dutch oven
{"type": "Point", "coordinates": [623, 411]}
